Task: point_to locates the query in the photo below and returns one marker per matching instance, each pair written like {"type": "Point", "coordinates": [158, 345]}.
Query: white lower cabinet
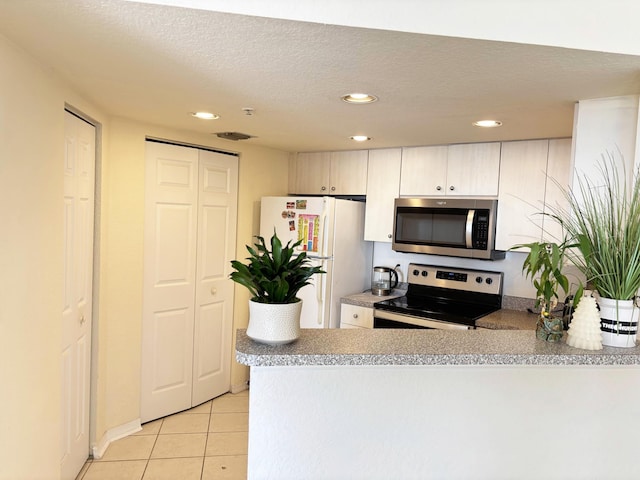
{"type": "Point", "coordinates": [354, 316]}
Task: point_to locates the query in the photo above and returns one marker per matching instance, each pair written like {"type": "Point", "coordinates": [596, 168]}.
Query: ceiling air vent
{"type": "Point", "coordinates": [233, 135]}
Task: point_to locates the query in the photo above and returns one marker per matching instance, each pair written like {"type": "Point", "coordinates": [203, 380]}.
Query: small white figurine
{"type": "Point", "coordinates": [584, 329]}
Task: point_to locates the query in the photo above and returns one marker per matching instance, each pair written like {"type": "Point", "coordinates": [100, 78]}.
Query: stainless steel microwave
{"type": "Point", "coordinates": [456, 227]}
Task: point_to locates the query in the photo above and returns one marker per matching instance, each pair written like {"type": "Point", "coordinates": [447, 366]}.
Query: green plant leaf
{"type": "Point", "coordinates": [275, 274]}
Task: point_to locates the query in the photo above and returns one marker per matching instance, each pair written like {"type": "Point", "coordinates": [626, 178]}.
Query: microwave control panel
{"type": "Point", "coordinates": [481, 229]}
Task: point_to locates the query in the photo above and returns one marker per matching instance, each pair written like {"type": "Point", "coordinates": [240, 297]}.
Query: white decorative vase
{"type": "Point", "coordinates": [274, 323]}
{"type": "Point", "coordinates": [618, 321]}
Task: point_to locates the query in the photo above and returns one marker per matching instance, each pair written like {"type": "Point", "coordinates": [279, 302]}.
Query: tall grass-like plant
{"type": "Point", "coordinates": [276, 274]}
{"type": "Point", "coordinates": [603, 219]}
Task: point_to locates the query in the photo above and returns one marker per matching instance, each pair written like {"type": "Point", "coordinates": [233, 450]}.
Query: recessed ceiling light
{"type": "Point", "coordinates": [205, 115]}
{"type": "Point", "coordinates": [360, 138]}
{"type": "Point", "coordinates": [487, 123]}
{"type": "Point", "coordinates": [359, 98]}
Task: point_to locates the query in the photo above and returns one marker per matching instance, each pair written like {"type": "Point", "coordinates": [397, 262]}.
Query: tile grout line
{"type": "Point", "coordinates": [146, 466]}
{"type": "Point", "coordinates": [206, 443]}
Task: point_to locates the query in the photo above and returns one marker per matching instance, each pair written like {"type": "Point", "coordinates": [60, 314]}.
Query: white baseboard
{"type": "Point", "coordinates": [240, 387]}
{"type": "Point", "coordinates": [113, 434]}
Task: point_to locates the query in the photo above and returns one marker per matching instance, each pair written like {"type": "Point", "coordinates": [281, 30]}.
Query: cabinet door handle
{"type": "Point", "coordinates": [213, 290]}
{"type": "Point", "coordinates": [323, 188]}
{"type": "Point", "coordinates": [389, 236]}
{"type": "Point", "coordinates": [333, 189]}
{"type": "Point", "coordinates": [355, 315]}
{"type": "Point", "coordinates": [452, 188]}
{"type": "Point", "coordinates": [438, 188]}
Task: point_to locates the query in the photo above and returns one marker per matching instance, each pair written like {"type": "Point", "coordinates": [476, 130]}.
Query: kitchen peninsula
{"type": "Point", "coordinates": [477, 404]}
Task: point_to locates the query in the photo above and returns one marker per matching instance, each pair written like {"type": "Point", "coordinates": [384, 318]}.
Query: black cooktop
{"type": "Point", "coordinates": [442, 304]}
{"type": "Point", "coordinates": [445, 311]}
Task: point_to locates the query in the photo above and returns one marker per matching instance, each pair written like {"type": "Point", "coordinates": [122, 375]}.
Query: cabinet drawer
{"type": "Point", "coordinates": [353, 315]}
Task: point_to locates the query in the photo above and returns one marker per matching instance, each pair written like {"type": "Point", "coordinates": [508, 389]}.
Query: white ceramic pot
{"type": "Point", "coordinates": [618, 322]}
{"type": "Point", "coordinates": [274, 323]}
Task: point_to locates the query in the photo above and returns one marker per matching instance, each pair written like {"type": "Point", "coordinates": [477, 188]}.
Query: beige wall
{"type": "Point", "coordinates": [32, 105]}
{"type": "Point", "coordinates": [262, 172]}
{"type": "Point", "coordinates": [32, 102]}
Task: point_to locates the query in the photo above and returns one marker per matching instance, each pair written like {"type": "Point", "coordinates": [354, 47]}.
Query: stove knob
{"type": "Point", "coordinates": [425, 273]}
{"type": "Point", "coordinates": [489, 281]}
{"type": "Point", "coordinates": [478, 279]}
{"type": "Point", "coordinates": [416, 272]}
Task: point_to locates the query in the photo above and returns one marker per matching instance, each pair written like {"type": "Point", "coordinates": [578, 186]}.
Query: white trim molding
{"type": "Point", "coordinates": [113, 434]}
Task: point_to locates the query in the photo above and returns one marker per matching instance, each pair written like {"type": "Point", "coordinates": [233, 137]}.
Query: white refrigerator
{"type": "Point", "coordinates": [332, 231]}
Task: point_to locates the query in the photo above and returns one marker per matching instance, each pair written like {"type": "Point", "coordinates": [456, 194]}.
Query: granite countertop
{"type": "Point", "coordinates": [506, 319]}
{"type": "Point", "coordinates": [424, 347]}
{"type": "Point", "coordinates": [367, 299]}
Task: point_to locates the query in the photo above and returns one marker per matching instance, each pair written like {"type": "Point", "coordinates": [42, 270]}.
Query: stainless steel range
{"type": "Point", "coordinates": [441, 298]}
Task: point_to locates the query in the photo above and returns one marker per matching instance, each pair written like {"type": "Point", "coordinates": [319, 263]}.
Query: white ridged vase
{"type": "Point", "coordinates": [274, 323]}
{"type": "Point", "coordinates": [618, 321]}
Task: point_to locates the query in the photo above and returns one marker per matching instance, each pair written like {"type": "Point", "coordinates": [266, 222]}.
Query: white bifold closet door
{"type": "Point", "coordinates": [190, 235]}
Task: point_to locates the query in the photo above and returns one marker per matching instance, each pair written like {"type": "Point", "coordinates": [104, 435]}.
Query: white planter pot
{"type": "Point", "coordinates": [274, 323]}
{"type": "Point", "coordinates": [618, 322]}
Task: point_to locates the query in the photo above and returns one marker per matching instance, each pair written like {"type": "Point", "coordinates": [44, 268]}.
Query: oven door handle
{"type": "Point", "coordinates": [420, 321]}
{"type": "Point", "coordinates": [469, 227]}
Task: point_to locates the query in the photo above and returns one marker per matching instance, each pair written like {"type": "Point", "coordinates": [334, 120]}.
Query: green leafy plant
{"type": "Point", "coordinates": [274, 275]}
{"type": "Point", "coordinates": [544, 265]}
{"type": "Point", "coordinates": [603, 219]}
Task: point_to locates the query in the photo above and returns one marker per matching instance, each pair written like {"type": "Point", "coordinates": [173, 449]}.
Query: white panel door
{"type": "Point", "coordinates": [79, 178]}
{"type": "Point", "coordinates": [171, 190]}
{"type": "Point", "coordinates": [217, 214]}
{"type": "Point", "coordinates": [190, 236]}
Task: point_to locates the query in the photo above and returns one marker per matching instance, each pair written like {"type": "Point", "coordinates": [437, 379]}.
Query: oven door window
{"type": "Point", "coordinates": [427, 226]}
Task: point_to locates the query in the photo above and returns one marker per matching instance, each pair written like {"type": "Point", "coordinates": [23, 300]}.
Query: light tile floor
{"type": "Point", "coordinates": [208, 442]}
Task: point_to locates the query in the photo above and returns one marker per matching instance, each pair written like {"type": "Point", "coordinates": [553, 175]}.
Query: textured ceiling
{"type": "Point", "coordinates": [157, 63]}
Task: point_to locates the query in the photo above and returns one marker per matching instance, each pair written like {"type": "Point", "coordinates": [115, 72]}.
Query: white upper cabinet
{"type": "Point", "coordinates": [473, 169]}
{"type": "Point", "coordinates": [521, 198]}
{"type": "Point", "coordinates": [330, 173]}
{"type": "Point", "coordinates": [383, 179]}
{"type": "Point", "coordinates": [529, 171]}
{"type": "Point", "coordinates": [559, 176]}
{"type": "Point", "coordinates": [458, 170]}
{"type": "Point", "coordinates": [424, 171]}
{"type": "Point", "coordinates": [311, 172]}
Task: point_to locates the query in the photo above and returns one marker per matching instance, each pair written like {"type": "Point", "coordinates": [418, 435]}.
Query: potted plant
{"type": "Point", "coordinates": [274, 276]}
{"type": "Point", "coordinates": [603, 220]}
{"type": "Point", "coordinates": [544, 265]}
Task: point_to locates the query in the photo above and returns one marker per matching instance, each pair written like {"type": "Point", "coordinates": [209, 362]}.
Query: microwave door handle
{"type": "Point", "coordinates": [469, 230]}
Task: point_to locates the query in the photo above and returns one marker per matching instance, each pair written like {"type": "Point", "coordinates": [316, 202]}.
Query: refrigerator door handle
{"type": "Point", "coordinates": [323, 229]}
{"type": "Point", "coordinates": [320, 294]}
